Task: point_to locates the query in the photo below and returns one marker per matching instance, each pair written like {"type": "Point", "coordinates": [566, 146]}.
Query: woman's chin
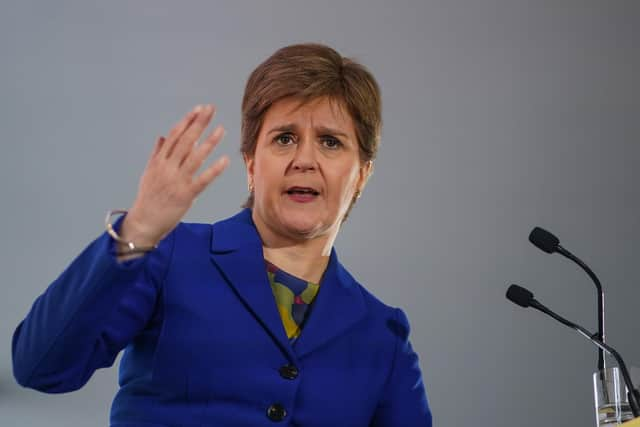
{"type": "Point", "coordinates": [303, 225]}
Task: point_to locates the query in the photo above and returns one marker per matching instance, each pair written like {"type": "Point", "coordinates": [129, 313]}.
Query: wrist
{"type": "Point", "coordinates": [130, 238]}
{"type": "Point", "coordinates": [133, 230]}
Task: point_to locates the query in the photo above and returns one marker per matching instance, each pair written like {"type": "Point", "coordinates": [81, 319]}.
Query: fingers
{"type": "Point", "coordinates": [176, 132]}
{"type": "Point", "coordinates": [191, 134]}
{"type": "Point", "coordinates": [196, 157]}
{"type": "Point", "coordinates": [158, 147]}
{"type": "Point", "coordinates": [209, 174]}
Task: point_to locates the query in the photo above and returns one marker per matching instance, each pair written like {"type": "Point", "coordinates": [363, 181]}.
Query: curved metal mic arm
{"type": "Point", "coordinates": [601, 336]}
{"type": "Point", "coordinates": [633, 394]}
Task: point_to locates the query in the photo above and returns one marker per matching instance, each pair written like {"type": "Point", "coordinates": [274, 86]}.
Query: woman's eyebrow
{"type": "Point", "coordinates": [331, 131]}
{"type": "Point", "coordinates": [323, 130]}
{"type": "Point", "coordinates": [289, 127]}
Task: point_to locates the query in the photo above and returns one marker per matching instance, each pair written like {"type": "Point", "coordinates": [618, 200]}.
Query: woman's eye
{"type": "Point", "coordinates": [331, 142]}
{"type": "Point", "coordinates": [284, 139]}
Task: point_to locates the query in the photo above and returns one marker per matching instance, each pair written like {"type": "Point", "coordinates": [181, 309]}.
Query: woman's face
{"type": "Point", "coordinates": [306, 169]}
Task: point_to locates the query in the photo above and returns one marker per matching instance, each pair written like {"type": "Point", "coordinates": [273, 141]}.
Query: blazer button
{"type": "Point", "coordinates": [289, 372]}
{"type": "Point", "coordinates": [276, 412]}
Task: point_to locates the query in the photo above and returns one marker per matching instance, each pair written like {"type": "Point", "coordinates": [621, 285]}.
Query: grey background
{"type": "Point", "coordinates": [499, 115]}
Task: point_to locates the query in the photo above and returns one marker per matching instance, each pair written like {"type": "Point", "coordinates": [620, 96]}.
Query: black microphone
{"type": "Point", "coordinates": [524, 298]}
{"type": "Point", "coordinates": [549, 243]}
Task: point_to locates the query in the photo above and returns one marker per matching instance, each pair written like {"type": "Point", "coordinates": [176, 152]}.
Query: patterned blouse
{"type": "Point", "coordinates": [293, 298]}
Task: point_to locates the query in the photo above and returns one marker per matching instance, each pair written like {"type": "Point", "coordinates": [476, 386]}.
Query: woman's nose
{"type": "Point", "coordinates": [305, 156]}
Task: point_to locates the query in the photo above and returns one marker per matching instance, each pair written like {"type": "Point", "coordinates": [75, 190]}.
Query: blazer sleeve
{"type": "Point", "coordinates": [404, 401]}
{"type": "Point", "coordinates": [87, 316]}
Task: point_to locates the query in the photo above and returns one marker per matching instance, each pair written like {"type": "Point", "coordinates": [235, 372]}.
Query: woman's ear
{"type": "Point", "coordinates": [366, 170]}
{"type": "Point", "coordinates": [249, 163]}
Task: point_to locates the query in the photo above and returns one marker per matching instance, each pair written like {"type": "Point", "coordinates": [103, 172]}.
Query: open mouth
{"type": "Point", "coordinates": [302, 191]}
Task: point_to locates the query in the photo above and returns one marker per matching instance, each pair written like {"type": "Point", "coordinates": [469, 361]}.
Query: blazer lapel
{"type": "Point", "coordinates": [338, 306]}
{"type": "Point", "coordinates": [236, 249]}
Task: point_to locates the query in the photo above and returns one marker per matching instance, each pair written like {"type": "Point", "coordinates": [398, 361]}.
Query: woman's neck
{"type": "Point", "coordinates": [303, 258]}
{"type": "Point", "coordinates": [302, 262]}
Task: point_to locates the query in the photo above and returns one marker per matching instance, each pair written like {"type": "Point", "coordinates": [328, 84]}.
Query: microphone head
{"type": "Point", "coordinates": [519, 295]}
{"type": "Point", "coordinates": [544, 240]}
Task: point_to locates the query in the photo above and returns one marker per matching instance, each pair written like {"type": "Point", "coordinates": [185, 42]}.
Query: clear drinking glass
{"type": "Point", "coordinates": [610, 393]}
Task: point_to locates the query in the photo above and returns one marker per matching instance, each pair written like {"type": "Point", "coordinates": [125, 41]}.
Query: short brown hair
{"type": "Point", "coordinates": [307, 72]}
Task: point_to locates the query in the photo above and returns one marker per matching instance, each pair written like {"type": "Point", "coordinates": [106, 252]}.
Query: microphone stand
{"type": "Point", "coordinates": [632, 394]}
{"type": "Point", "coordinates": [600, 335]}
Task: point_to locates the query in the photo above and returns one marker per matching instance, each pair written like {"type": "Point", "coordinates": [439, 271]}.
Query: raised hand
{"type": "Point", "coordinates": [169, 185]}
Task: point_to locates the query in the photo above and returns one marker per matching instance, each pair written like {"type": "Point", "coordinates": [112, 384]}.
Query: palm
{"type": "Point", "coordinates": [170, 183]}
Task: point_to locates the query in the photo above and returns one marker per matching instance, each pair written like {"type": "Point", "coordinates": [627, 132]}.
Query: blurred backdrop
{"type": "Point", "coordinates": [499, 115]}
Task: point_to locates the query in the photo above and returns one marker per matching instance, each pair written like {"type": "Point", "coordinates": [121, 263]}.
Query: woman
{"type": "Point", "coordinates": [253, 319]}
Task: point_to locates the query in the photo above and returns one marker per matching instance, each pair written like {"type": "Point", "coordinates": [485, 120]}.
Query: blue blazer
{"type": "Point", "coordinates": [204, 343]}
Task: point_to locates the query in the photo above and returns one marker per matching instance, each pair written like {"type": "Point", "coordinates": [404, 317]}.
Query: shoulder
{"type": "Point", "coordinates": [372, 301]}
{"type": "Point", "coordinates": [230, 227]}
{"type": "Point", "coordinates": [396, 319]}
{"type": "Point", "coordinates": [194, 240]}
{"type": "Point", "coordinates": [186, 235]}
{"type": "Point", "coordinates": [393, 319]}
{"type": "Point", "coordinates": [193, 230]}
